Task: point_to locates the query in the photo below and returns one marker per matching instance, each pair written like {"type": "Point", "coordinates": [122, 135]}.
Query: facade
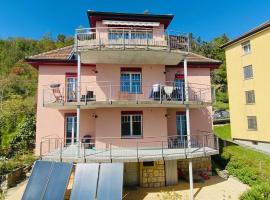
{"type": "Point", "coordinates": [247, 60]}
{"type": "Point", "coordinates": [127, 91]}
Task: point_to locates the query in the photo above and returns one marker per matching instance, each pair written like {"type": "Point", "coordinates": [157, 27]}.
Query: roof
{"type": "Point", "coordinates": [94, 16]}
{"type": "Point", "coordinates": [65, 55]}
{"type": "Point", "coordinates": [249, 33]}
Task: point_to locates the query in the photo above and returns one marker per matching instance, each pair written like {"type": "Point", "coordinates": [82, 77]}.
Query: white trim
{"type": "Point", "coordinates": [130, 23]}
{"type": "Point", "coordinates": [131, 125]}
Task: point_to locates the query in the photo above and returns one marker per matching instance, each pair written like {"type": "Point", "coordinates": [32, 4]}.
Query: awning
{"type": "Point", "coordinates": [130, 23]}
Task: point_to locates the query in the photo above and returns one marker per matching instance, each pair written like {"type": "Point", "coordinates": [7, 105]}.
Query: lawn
{"type": "Point", "coordinates": [250, 167]}
{"type": "Point", "coordinates": [223, 131]}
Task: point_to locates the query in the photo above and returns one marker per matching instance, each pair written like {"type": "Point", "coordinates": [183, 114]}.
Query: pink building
{"type": "Point", "coordinates": [129, 91]}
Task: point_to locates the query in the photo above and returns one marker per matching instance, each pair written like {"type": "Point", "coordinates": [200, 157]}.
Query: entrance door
{"type": "Point", "coordinates": [71, 89]}
{"type": "Point", "coordinates": [71, 130]}
{"type": "Point", "coordinates": [181, 126]}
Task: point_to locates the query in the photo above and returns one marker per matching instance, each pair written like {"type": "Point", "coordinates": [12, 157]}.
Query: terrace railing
{"type": "Point", "coordinates": [126, 91]}
{"type": "Point", "coordinates": [129, 37]}
{"type": "Point", "coordinates": [120, 148]}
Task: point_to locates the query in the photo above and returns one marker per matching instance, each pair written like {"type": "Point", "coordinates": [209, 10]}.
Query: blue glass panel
{"type": "Point", "coordinates": [38, 180]}
{"type": "Point", "coordinates": [85, 181]}
{"type": "Point", "coordinates": [110, 183]}
{"type": "Point", "coordinates": [58, 181]}
{"type": "Point", "coordinates": [125, 82]}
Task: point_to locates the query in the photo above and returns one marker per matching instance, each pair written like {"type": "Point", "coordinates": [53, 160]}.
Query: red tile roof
{"type": "Point", "coordinates": [65, 53]}
{"type": "Point", "coordinates": [59, 54]}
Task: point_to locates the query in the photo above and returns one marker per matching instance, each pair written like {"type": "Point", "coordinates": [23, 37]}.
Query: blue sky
{"type": "Point", "coordinates": [205, 18]}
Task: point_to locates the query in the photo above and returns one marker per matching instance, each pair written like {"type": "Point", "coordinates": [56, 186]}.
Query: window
{"type": "Point", "coordinates": [248, 72]}
{"type": "Point", "coordinates": [246, 47]}
{"type": "Point", "coordinates": [148, 163]}
{"type": "Point", "coordinates": [131, 124]}
{"type": "Point", "coordinates": [131, 82]}
{"type": "Point", "coordinates": [252, 122]}
{"type": "Point", "coordinates": [115, 34]}
{"type": "Point", "coordinates": [250, 97]}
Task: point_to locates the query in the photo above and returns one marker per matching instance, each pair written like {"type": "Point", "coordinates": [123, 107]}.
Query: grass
{"type": "Point", "coordinates": [223, 131]}
{"type": "Point", "coordinates": [250, 167]}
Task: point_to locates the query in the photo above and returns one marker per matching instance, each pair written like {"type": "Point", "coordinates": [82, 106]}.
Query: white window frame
{"type": "Point", "coordinates": [250, 128]}
{"type": "Point", "coordinates": [246, 44]}
{"type": "Point", "coordinates": [245, 67]}
{"type": "Point", "coordinates": [131, 125]}
{"type": "Point", "coordinates": [251, 92]}
{"type": "Point", "coordinates": [130, 81]}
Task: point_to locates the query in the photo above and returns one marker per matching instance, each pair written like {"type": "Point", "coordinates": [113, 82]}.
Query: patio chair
{"type": "Point", "coordinates": [56, 92]}
{"type": "Point", "coordinates": [168, 91]}
{"type": "Point", "coordinates": [87, 142]}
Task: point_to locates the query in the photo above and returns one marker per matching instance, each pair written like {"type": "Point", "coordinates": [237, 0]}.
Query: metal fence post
{"type": "Point", "coordinates": [185, 148]}
{"type": "Point", "coordinates": [49, 148]}
{"type": "Point", "coordinates": [110, 88]}
{"type": "Point", "coordinates": [111, 152]}
{"type": "Point", "coordinates": [137, 150]}
{"type": "Point", "coordinates": [160, 93]}
{"type": "Point", "coordinates": [84, 156]}
{"type": "Point", "coordinates": [40, 150]}
{"type": "Point", "coordinates": [61, 151]}
{"type": "Point", "coordinates": [124, 46]}
{"type": "Point", "coordinates": [162, 153]}
{"type": "Point", "coordinates": [204, 144]}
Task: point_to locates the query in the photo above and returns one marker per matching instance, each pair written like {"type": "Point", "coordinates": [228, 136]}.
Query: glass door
{"type": "Point", "coordinates": [180, 88]}
{"type": "Point", "coordinates": [181, 126]}
{"type": "Point", "coordinates": [71, 130]}
{"type": "Point", "coordinates": [71, 89]}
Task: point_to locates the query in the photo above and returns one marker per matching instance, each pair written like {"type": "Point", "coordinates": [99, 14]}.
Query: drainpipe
{"type": "Point", "coordinates": [188, 132]}
{"type": "Point", "coordinates": [78, 101]}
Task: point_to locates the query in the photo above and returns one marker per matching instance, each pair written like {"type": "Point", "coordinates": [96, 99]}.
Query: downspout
{"type": "Point", "coordinates": [78, 101]}
{"type": "Point", "coordinates": [188, 131]}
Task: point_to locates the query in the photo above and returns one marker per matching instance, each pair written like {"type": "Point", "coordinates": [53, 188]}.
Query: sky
{"type": "Point", "coordinates": [205, 18]}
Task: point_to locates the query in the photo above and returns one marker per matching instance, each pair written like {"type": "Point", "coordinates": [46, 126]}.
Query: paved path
{"type": "Point", "coordinates": [214, 189]}
{"type": "Point", "coordinates": [16, 193]}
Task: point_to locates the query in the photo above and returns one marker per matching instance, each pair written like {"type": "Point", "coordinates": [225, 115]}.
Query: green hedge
{"type": "Point", "coordinates": [258, 192]}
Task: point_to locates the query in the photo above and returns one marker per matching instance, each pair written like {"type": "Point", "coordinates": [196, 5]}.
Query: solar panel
{"type": "Point", "coordinates": [85, 181]}
{"type": "Point", "coordinates": [38, 180]}
{"type": "Point", "coordinates": [48, 181]}
{"type": "Point", "coordinates": [110, 182]}
{"type": "Point", "coordinates": [58, 181]}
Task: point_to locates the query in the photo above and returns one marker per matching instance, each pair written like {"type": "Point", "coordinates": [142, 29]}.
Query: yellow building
{"type": "Point", "coordinates": [248, 73]}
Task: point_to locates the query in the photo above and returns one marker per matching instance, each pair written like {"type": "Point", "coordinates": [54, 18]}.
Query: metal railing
{"type": "Point", "coordinates": [110, 92]}
{"type": "Point", "coordinates": [130, 37]}
{"type": "Point", "coordinates": [109, 148]}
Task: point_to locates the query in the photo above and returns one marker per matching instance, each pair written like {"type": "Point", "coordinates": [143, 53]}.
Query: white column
{"type": "Point", "coordinates": [78, 100]}
{"type": "Point", "coordinates": [188, 132]}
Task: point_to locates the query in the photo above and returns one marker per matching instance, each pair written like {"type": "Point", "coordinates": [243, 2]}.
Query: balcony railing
{"type": "Point", "coordinates": [123, 149]}
{"type": "Point", "coordinates": [132, 92]}
{"type": "Point", "coordinates": [130, 38]}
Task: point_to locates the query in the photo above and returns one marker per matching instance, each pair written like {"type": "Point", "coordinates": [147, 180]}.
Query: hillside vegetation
{"type": "Point", "coordinates": [18, 82]}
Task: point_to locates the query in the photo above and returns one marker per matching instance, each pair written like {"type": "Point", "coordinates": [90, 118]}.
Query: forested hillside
{"type": "Point", "coordinates": [18, 82]}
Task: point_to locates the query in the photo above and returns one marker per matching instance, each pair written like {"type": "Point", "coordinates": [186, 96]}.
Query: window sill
{"type": "Point", "coordinates": [245, 54]}
{"type": "Point", "coordinates": [250, 104]}
{"type": "Point", "coordinates": [132, 137]}
{"type": "Point", "coordinates": [246, 79]}
{"type": "Point", "coordinates": [252, 130]}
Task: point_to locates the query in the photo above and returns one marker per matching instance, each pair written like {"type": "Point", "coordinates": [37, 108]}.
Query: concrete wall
{"type": "Point", "coordinates": [239, 110]}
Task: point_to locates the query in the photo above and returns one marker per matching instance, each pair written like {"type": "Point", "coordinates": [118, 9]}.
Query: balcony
{"type": "Point", "coordinates": [107, 94]}
{"type": "Point", "coordinates": [131, 45]}
{"type": "Point", "coordinates": [108, 149]}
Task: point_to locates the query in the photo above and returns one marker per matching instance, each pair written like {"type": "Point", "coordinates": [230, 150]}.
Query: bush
{"type": "Point", "coordinates": [258, 192]}
{"type": "Point", "coordinates": [16, 162]}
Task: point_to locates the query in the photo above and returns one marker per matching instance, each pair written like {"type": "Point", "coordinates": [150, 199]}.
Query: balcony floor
{"type": "Point", "coordinates": [69, 154]}
{"type": "Point", "coordinates": [126, 103]}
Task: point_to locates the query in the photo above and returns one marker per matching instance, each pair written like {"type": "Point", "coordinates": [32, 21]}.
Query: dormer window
{"type": "Point", "coordinates": [246, 47]}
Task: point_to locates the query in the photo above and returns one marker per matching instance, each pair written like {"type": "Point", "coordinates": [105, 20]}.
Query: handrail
{"type": "Point", "coordinates": [110, 149]}
{"type": "Point", "coordinates": [122, 37]}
